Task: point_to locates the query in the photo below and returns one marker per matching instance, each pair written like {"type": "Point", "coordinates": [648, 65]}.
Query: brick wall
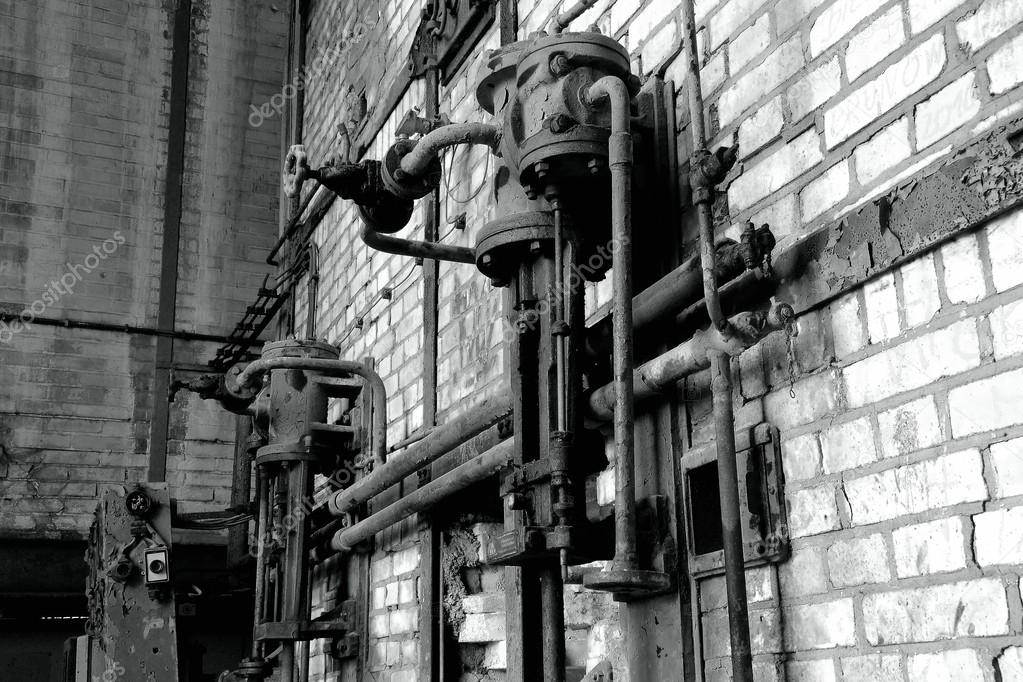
{"type": "Point", "coordinates": [901, 448]}
{"type": "Point", "coordinates": [84, 112]}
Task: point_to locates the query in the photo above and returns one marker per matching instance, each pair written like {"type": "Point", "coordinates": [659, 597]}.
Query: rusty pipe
{"type": "Point", "coordinates": [724, 418]}
{"type": "Point", "coordinates": [441, 440]}
{"type": "Point", "coordinates": [620, 162]}
{"type": "Point", "coordinates": [703, 195]}
{"type": "Point", "coordinates": [695, 354]}
{"type": "Point", "coordinates": [561, 21]}
{"type": "Point", "coordinates": [417, 161]}
{"type": "Point", "coordinates": [427, 497]}
{"type": "Point", "coordinates": [415, 249]}
{"type": "Point", "coordinates": [378, 392]}
{"type": "Point", "coordinates": [731, 528]}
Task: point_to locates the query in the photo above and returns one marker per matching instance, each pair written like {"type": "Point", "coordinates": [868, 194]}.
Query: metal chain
{"type": "Point", "coordinates": [790, 334]}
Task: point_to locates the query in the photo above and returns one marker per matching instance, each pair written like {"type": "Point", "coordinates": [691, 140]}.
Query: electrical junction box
{"type": "Point", "coordinates": [157, 566]}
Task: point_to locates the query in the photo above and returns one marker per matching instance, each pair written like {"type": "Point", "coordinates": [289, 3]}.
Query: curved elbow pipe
{"type": "Point", "coordinates": [561, 21]}
{"type": "Point", "coordinates": [258, 368]}
{"type": "Point", "coordinates": [416, 249]}
{"type": "Point", "coordinates": [417, 161]}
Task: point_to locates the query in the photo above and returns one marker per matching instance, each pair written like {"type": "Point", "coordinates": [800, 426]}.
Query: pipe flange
{"type": "Point", "coordinates": [400, 183]}
{"type": "Point", "coordinates": [300, 348]}
{"type": "Point", "coordinates": [253, 669]}
{"type": "Point", "coordinates": [242, 394]}
{"type": "Point", "coordinates": [550, 157]}
{"type": "Point", "coordinates": [290, 452]}
{"type": "Point", "coordinates": [507, 241]}
{"type": "Point", "coordinates": [629, 584]}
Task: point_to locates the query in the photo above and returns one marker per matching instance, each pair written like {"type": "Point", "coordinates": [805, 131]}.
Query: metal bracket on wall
{"type": "Point", "coordinates": [761, 499]}
{"type": "Point", "coordinates": [448, 35]}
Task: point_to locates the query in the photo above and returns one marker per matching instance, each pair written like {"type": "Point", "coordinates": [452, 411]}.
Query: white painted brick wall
{"type": "Point", "coordinates": [1007, 460]}
{"type": "Point", "coordinates": [781, 64]}
{"type": "Point", "coordinates": [871, 668]}
{"type": "Point", "coordinates": [974, 608]}
{"type": "Point", "coordinates": [992, 18]}
{"type": "Point", "coordinates": [804, 573]}
{"type": "Point", "coordinates": [810, 671]}
{"type": "Point", "coordinates": [946, 111]}
{"type": "Point", "coordinates": [811, 510]}
{"type": "Point", "coordinates": [848, 445]}
{"type": "Point", "coordinates": [930, 547]}
{"type": "Point", "coordinates": [730, 17]}
{"type": "Point", "coordinates": [753, 40]}
{"type": "Point", "coordinates": [825, 192]}
{"type": "Point", "coordinates": [987, 404]}
{"type": "Point", "coordinates": [1007, 329]}
{"type": "Point", "coordinates": [858, 561]}
{"type": "Point", "coordinates": [1005, 244]}
{"type": "Point", "coordinates": [838, 20]}
{"type": "Point", "coordinates": [909, 427]}
{"type": "Point", "coordinates": [820, 626]}
{"type": "Point", "coordinates": [998, 537]}
{"type": "Point", "coordinates": [1005, 67]}
{"type": "Point", "coordinates": [774, 172]}
{"type": "Point", "coordinates": [929, 485]}
{"type": "Point", "coordinates": [814, 89]}
{"type": "Point", "coordinates": [760, 128]}
{"type": "Point", "coordinates": [1010, 664]}
{"type": "Point", "coordinates": [870, 46]}
{"type": "Point", "coordinates": [882, 303]}
{"type": "Point", "coordinates": [925, 13]}
{"type": "Point", "coordinates": [878, 96]}
{"type": "Point", "coordinates": [920, 298]}
{"type": "Point", "coordinates": [960, 665]}
{"type": "Point", "coordinates": [914, 363]}
{"type": "Point", "coordinates": [801, 457]}
{"type": "Point", "coordinates": [883, 151]}
{"type": "Point", "coordinates": [846, 325]}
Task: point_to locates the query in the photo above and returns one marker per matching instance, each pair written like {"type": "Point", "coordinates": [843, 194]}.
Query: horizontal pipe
{"type": "Point", "coordinates": [659, 374]}
{"type": "Point", "coordinates": [429, 496]}
{"type": "Point", "coordinates": [378, 392]}
{"type": "Point", "coordinates": [68, 323]}
{"type": "Point", "coordinates": [416, 249]}
{"type": "Point", "coordinates": [417, 161]}
{"type": "Point", "coordinates": [441, 440]}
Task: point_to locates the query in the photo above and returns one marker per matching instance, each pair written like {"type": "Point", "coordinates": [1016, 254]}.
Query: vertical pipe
{"type": "Point", "coordinates": [731, 529]}
{"type": "Point", "coordinates": [295, 561]}
{"type": "Point", "coordinates": [620, 162]}
{"type": "Point", "coordinates": [241, 492]}
{"type": "Point", "coordinates": [552, 604]}
{"type": "Point", "coordinates": [262, 520]}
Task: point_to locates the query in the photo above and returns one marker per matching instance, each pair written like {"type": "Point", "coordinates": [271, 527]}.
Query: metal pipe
{"type": "Point", "coordinates": [312, 290]}
{"type": "Point", "coordinates": [429, 496]}
{"type": "Point", "coordinates": [416, 249]}
{"type": "Point", "coordinates": [263, 496]}
{"type": "Point", "coordinates": [724, 419]}
{"type": "Point", "coordinates": [440, 441]}
{"type": "Point", "coordinates": [241, 493]}
{"type": "Point", "coordinates": [417, 161]}
{"type": "Point", "coordinates": [659, 374]}
{"type": "Point", "coordinates": [561, 21]}
{"type": "Point", "coordinates": [620, 163]}
{"type": "Point", "coordinates": [378, 393]}
{"type": "Point", "coordinates": [703, 196]}
{"type": "Point", "coordinates": [552, 606]}
{"type": "Point", "coordinates": [731, 530]}
{"type": "Point", "coordinates": [295, 561]}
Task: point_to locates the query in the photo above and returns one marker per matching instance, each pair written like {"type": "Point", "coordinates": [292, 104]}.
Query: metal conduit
{"type": "Point", "coordinates": [429, 496]}
{"type": "Point", "coordinates": [378, 393]}
{"type": "Point", "coordinates": [440, 441]}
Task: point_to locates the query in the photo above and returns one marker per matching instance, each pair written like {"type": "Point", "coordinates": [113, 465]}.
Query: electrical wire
{"type": "Point", "coordinates": [394, 293]}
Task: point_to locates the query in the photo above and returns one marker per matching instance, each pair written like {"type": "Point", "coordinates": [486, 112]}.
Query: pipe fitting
{"type": "Point", "coordinates": [296, 170]}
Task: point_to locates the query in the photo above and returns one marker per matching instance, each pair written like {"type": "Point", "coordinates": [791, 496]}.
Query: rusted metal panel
{"type": "Point", "coordinates": [135, 630]}
{"type": "Point", "coordinates": [977, 183]}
